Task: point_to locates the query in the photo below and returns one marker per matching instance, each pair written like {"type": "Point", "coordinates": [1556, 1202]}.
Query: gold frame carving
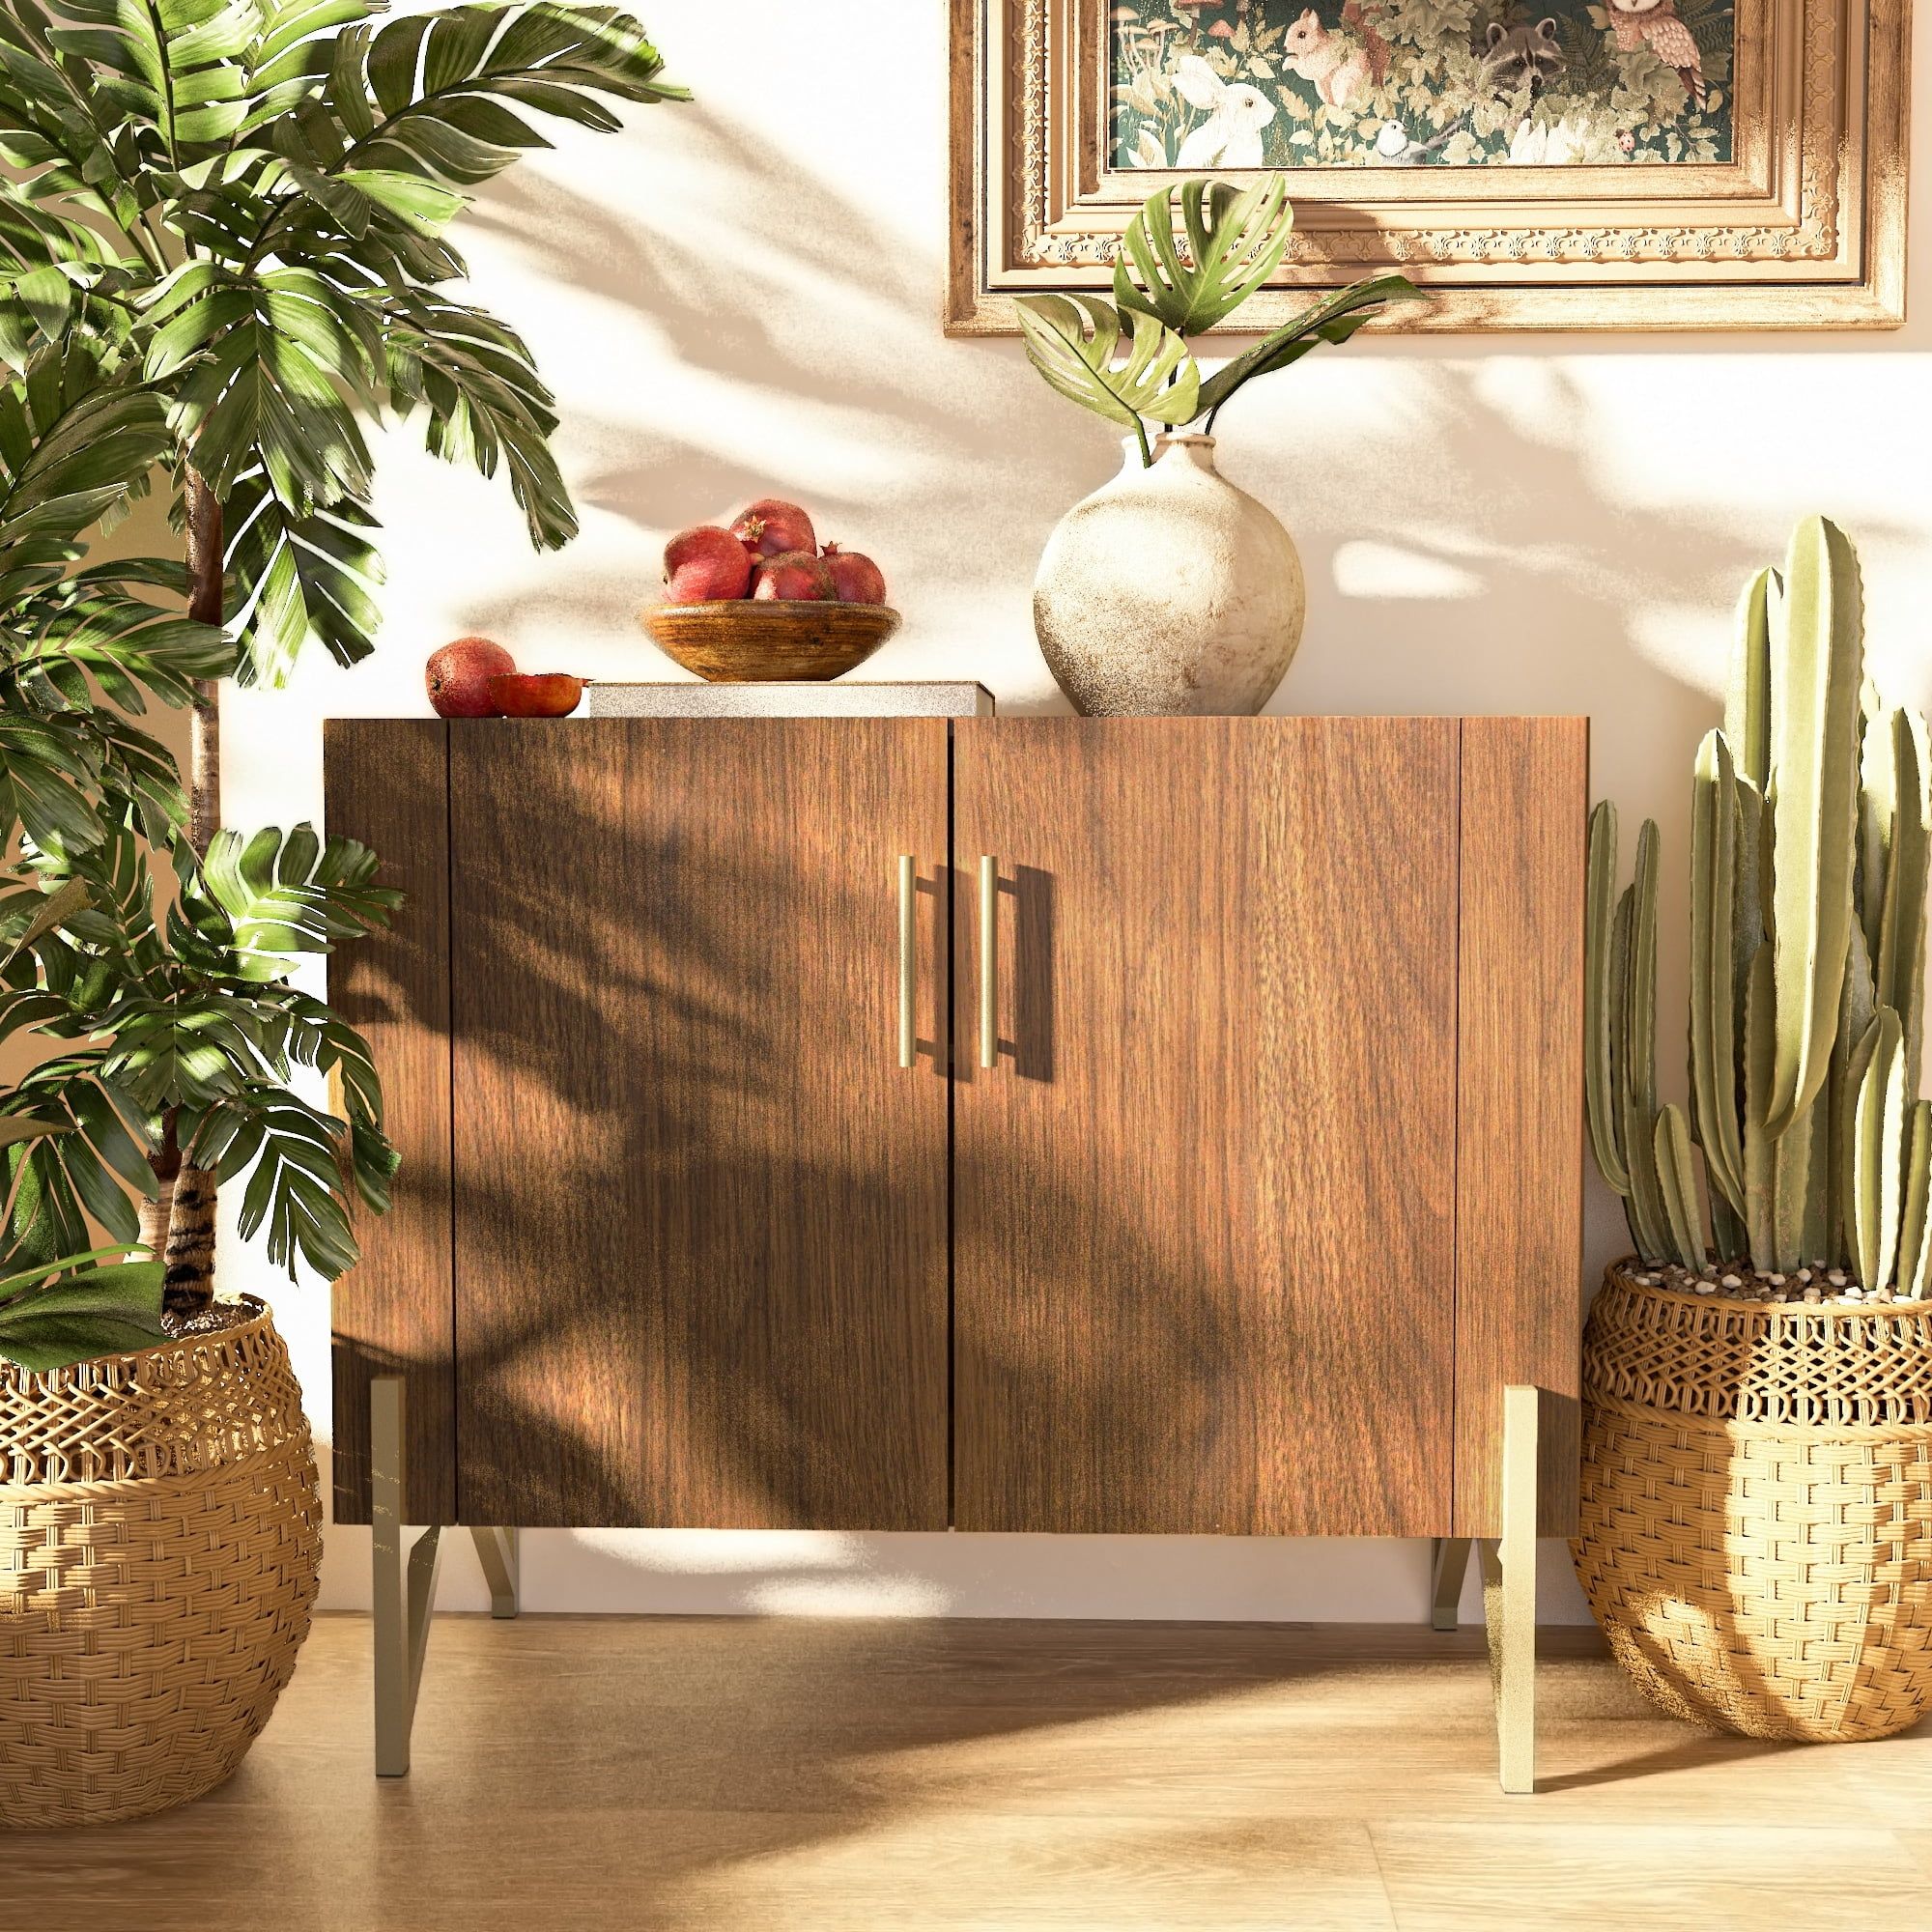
{"type": "Point", "coordinates": [1803, 228]}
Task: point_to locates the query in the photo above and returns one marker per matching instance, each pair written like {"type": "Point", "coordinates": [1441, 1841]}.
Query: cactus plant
{"type": "Point", "coordinates": [1914, 1252]}
{"type": "Point", "coordinates": [1677, 1180]}
{"type": "Point", "coordinates": [1810, 844]}
{"type": "Point", "coordinates": [1893, 884]}
{"type": "Point", "coordinates": [1872, 1174]}
{"type": "Point", "coordinates": [1602, 888]}
{"type": "Point", "coordinates": [1816, 654]}
{"type": "Point", "coordinates": [1747, 709]}
{"type": "Point", "coordinates": [1713, 1022]}
{"type": "Point", "coordinates": [1620, 1018]}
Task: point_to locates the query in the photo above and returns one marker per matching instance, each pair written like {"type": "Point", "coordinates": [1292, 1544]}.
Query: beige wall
{"type": "Point", "coordinates": [742, 298]}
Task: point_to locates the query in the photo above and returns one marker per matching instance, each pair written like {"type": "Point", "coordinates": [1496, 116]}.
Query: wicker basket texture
{"type": "Point", "coordinates": [1756, 1524]}
{"type": "Point", "coordinates": [160, 1536]}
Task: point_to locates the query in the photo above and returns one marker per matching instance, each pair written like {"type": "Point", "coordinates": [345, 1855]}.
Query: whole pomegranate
{"type": "Point", "coordinates": [855, 577]}
{"type": "Point", "coordinates": [774, 528]}
{"type": "Point", "coordinates": [794, 577]}
{"type": "Point", "coordinates": [458, 677]}
{"type": "Point", "coordinates": [706, 565]}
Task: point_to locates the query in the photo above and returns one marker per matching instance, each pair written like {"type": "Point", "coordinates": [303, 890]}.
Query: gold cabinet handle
{"type": "Point", "coordinates": [908, 959]}
{"type": "Point", "coordinates": [989, 963]}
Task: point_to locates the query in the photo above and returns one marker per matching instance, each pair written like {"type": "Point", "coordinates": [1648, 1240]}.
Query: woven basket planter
{"type": "Point", "coordinates": [160, 1533]}
{"type": "Point", "coordinates": [1756, 1525]}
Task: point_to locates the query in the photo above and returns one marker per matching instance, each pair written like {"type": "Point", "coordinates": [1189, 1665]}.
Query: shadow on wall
{"type": "Point", "coordinates": [787, 293]}
{"type": "Point", "coordinates": [806, 298]}
{"type": "Point", "coordinates": [1469, 543]}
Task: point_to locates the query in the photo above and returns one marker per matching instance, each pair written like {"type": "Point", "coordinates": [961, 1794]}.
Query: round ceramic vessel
{"type": "Point", "coordinates": [1168, 592]}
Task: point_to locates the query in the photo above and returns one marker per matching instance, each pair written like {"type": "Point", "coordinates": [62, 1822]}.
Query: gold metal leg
{"type": "Point", "coordinates": [1451, 1567]}
{"type": "Point", "coordinates": [1509, 1595]}
{"type": "Point", "coordinates": [497, 1549]}
{"type": "Point", "coordinates": [403, 1602]}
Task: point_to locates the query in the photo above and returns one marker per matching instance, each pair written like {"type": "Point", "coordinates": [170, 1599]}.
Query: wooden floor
{"type": "Point", "coordinates": [709, 1774]}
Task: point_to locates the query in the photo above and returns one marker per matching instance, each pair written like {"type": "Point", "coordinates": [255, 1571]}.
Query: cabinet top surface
{"type": "Point", "coordinates": [783, 711]}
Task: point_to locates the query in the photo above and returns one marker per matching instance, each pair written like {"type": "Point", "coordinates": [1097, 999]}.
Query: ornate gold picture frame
{"type": "Point", "coordinates": [1801, 227]}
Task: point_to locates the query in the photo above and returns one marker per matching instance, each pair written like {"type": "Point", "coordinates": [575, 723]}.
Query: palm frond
{"type": "Point", "coordinates": [171, 66]}
{"type": "Point", "coordinates": [297, 579]}
{"type": "Point", "coordinates": [74, 449]}
{"type": "Point", "coordinates": [91, 1171]}
{"type": "Point", "coordinates": [292, 1157]}
{"type": "Point", "coordinates": [267, 370]}
{"type": "Point", "coordinates": [434, 96]}
{"type": "Point", "coordinates": [287, 895]}
{"type": "Point", "coordinates": [485, 401]}
{"type": "Point", "coordinates": [58, 1311]}
{"type": "Point", "coordinates": [50, 646]}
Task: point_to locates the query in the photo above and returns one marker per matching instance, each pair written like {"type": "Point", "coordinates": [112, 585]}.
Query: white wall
{"type": "Point", "coordinates": [741, 298]}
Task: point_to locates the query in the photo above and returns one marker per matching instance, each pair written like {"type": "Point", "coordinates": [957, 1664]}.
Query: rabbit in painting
{"type": "Point", "coordinates": [1230, 137]}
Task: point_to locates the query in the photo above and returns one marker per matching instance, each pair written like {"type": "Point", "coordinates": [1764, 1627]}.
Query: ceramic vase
{"type": "Point", "coordinates": [1168, 592]}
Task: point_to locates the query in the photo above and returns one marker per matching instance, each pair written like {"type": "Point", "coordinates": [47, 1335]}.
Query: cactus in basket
{"type": "Point", "coordinates": [1810, 831]}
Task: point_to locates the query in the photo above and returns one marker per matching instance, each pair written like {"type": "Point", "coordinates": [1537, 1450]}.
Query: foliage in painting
{"type": "Point", "coordinates": [1230, 84]}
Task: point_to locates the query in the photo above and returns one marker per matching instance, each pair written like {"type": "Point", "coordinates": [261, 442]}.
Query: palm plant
{"type": "Point", "coordinates": [223, 246]}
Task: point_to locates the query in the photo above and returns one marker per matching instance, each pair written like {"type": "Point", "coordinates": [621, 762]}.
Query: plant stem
{"type": "Point", "coordinates": [158, 1211]}
{"type": "Point", "coordinates": [190, 1238]}
{"type": "Point", "coordinates": [190, 1282]}
{"type": "Point", "coordinates": [204, 606]}
{"type": "Point", "coordinates": [1146, 453]}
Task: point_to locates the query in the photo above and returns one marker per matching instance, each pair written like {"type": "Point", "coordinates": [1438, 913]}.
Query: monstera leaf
{"type": "Point", "coordinates": [1072, 340]}
{"type": "Point", "coordinates": [1334, 319]}
{"type": "Point", "coordinates": [1235, 240]}
{"type": "Point", "coordinates": [53, 1313]}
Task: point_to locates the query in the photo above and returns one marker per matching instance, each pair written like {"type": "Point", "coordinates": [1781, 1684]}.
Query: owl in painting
{"type": "Point", "coordinates": [1655, 23]}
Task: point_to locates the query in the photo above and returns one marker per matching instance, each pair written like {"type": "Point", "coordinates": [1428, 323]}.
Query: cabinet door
{"type": "Point", "coordinates": [386, 782]}
{"type": "Point", "coordinates": [701, 1209]}
{"type": "Point", "coordinates": [1204, 1203]}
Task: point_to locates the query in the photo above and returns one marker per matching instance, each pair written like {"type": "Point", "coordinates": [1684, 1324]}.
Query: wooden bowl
{"type": "Point", "coordinates": [768, 643]}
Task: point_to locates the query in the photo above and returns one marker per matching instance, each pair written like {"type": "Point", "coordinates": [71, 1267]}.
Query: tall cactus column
{"type": "Point", "coordinates": [1744, 1403]}
{"type": "Point", "coordinates": [1810, 828]}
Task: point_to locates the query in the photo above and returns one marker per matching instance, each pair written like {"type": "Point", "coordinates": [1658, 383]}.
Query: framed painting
{"type": "Point", "coordinates": [1531, 163]}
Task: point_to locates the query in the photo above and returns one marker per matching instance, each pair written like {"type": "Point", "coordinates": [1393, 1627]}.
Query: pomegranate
{"type": "Point", "coordinates": [773, 528]}
{"type": "Point", "coordinates": [706, 565]}
{"type": "Point", "coordinates": [794, 577]}
{"type": "Point", "coordinates": [550, 693]}
{"type": "Point", "coordinates": [458, 677]}
{"type": "Point", "coordinates": [855, 577]}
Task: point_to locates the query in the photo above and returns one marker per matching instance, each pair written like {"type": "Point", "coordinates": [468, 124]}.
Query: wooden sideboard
{"type": "Point", "coordinates": [1274, 1184]}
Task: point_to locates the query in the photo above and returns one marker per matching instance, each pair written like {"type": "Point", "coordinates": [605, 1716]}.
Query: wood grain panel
{"type": "Point", "coordinates": [1520, 1188]}
{"type": "Point", "coordinates": [386, 782]}
{"type": "Point", "coordinates": [1204, 1207]}
{"type": "Point", "coordinates": [701, 1247]}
